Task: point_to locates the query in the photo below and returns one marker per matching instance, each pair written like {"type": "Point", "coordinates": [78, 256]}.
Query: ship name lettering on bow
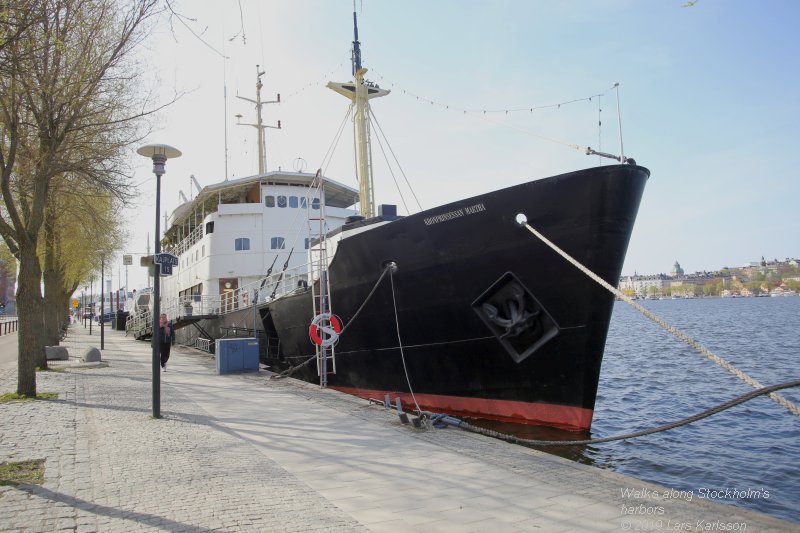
{"type": "Point", "coordinates": [458, 213]}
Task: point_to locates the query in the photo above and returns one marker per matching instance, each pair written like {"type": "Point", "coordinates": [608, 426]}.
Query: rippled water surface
{"type": "Point", "coordinates": [649, 378]}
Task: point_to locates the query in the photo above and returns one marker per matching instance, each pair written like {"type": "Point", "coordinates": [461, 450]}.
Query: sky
{"type": "Point", "coordinates": [708, 100]}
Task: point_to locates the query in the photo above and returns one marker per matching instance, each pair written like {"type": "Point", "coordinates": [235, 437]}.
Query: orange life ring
{"type": "Point", "coordinates": [323, 334]}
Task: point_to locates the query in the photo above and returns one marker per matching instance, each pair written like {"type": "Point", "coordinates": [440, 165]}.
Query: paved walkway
{"type": "Point", "coordinates": [245, 453]}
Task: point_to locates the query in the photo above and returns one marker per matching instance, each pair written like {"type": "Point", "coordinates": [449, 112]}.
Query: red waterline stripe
{"type": "Point", "coordinates": [572, 418]}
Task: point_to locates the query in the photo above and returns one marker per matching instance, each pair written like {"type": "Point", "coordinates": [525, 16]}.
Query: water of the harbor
{"type": "Point", "coordinates": [649, 378]}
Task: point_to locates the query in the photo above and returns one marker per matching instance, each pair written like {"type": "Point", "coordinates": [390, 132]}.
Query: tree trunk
{"type": "Point", "coordinates": [29, 309]}
{"type": "Point", "coordinates": [52, 287]}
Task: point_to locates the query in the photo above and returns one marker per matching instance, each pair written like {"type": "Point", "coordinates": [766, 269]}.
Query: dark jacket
{"type": "Point", "coordinates": [162, 338]}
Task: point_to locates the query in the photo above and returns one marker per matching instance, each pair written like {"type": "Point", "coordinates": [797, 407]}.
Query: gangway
{"type": "Point", "coordinates": [182, 311]}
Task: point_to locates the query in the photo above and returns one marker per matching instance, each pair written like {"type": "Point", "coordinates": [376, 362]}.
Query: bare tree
{"type": "Point", "coordinates": [67, 107]}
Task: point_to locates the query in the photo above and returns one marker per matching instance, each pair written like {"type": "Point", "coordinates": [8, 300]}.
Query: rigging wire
{"type": "Point", "coordinates": [397, 185]}
{"type": "Point", "coordinates": [380, 130]}
{"type": "Point", "coordinates": [332, 148]}
{"type": "Point", "coordinates": [241, 26]}
{"type": "Point", "coordinates": [310, 191]}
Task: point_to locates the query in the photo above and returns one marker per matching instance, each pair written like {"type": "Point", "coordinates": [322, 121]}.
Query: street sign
{"type": "Point", "coordinates": [146, 260]}
{"type": "Point", "coordinates": [166, 269]}
{"type": "Point", "coordinates": [127, 260]}
{"type": "Point", "coordinates": [166, 259]}
{"type": "Point", "coordinates": [75, 302]}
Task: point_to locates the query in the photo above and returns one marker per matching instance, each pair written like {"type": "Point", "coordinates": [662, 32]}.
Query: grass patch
{"type": "Point", "coordinates": [14, 397]}
{"type": "Point", "coordinates": [29, 472]}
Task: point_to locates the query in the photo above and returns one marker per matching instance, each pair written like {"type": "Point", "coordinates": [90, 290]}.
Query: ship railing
{"type": "Point", "coordinates": [190, 305]}
{"type": "Point", "coordinates": [260, 291]}
{"type": "Point", "coordinates": [187, 242]}
{"type": "Point", "coordinates": [139, 324]}
{"type": "Point", "coordinates": [265, 289]}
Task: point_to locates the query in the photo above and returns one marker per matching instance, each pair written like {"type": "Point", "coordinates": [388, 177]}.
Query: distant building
{"type": "Point", "coordinates": [725, 282]}
{"type": "Point", "coordinates": [644, 286]}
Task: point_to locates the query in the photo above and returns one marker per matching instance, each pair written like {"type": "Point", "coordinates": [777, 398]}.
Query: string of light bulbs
{"type": "Point", "coordinates": [506, 111]}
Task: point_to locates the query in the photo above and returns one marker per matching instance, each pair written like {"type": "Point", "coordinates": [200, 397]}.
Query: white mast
{"type": "Point", "coordinates": [360, 92]}
{"type": "Point", "coordinates": [260, 126]}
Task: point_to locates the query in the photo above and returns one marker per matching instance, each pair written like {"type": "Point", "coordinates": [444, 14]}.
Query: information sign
{"type": "Point", "coordinates": [166, 259]}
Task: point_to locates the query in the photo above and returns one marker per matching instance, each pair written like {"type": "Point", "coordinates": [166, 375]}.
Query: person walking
{"type": "Point", "coordinates": [166, 338]}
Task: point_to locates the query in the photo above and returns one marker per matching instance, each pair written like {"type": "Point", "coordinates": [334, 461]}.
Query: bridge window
{"type": "Point", "coordinates": [293, 202]}
{"type": "Point", "coordinates": [281, 201]}
{"type": "Point", "coordinates": [308, 242]}
{"type": "Point", "coordinates": [209, 227]}
{"type": "Point", "coordinates": [269, 201]}
{"type": "Point", "coordinates": [277, 243]}
{"type": "Point", "coordinates": [242, 243]}
{"type": "Point", "coordinates": [303, 202]}
{"type": "Point", "coordinates": [315, 203]}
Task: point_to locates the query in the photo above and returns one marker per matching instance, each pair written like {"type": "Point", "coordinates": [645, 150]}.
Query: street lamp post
{"type": "Point", "coordinates": [159, 153]}
{"type": "Point", "coordinates": [91, 297]}
{"type": "Point", "coordinates": [102, 301]}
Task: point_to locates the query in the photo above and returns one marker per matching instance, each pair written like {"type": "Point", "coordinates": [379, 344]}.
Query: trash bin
{"type": "Point", "coordinates": [122, 319]}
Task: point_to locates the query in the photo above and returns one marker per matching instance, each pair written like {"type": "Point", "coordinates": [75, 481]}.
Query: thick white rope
{"type": "Point", "coordinates": [794, 409]}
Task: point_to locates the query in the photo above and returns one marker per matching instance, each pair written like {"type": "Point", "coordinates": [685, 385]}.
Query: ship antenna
{"type": "Point", "coordinates": [356, 43]}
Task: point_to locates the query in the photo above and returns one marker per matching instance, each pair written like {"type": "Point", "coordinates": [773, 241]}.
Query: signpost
{"type": "Point", "coordinates": [167, 261]}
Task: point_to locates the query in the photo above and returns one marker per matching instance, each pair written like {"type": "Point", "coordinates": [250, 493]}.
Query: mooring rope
{"type": "Point", "coordinates": [400, 343]}
{"type": "Point", "coordinates": [793, 408]}
{"type": "Point", "coordinates": [292, 370]}
{"type": "Point", "coordinates": [688, 420]}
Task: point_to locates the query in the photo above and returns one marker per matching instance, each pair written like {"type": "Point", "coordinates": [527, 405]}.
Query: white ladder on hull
{"type": "Point", "coordinates": [320, 295]}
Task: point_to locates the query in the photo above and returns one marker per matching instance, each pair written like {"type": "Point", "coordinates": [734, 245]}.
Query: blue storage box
{"type": "Point", "coordinates": [237, 355]}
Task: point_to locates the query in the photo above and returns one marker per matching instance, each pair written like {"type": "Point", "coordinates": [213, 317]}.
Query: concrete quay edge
{"type": "Point", "coordinates": [246, 453]}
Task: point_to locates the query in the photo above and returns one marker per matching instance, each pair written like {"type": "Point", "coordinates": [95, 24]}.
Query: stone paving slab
{"type": "Point", "coordinates": [246, 453]}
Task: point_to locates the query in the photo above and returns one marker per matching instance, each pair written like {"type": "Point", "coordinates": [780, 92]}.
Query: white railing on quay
{"type": "Point", "coordinates": [203, 344]}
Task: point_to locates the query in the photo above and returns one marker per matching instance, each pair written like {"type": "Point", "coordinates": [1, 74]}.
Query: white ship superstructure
{"type": "Point", "coordinates": [236, 232]}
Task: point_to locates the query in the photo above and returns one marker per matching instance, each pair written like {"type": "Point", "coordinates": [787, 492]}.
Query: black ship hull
{"type": "Point", "coordinates": [492, 322]}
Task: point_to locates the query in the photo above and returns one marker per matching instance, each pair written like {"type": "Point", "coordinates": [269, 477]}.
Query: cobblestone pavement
{"type": "Point", "coordinates": [245, 453]}
{"type": "Point", "coordinates": [111, 467]}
